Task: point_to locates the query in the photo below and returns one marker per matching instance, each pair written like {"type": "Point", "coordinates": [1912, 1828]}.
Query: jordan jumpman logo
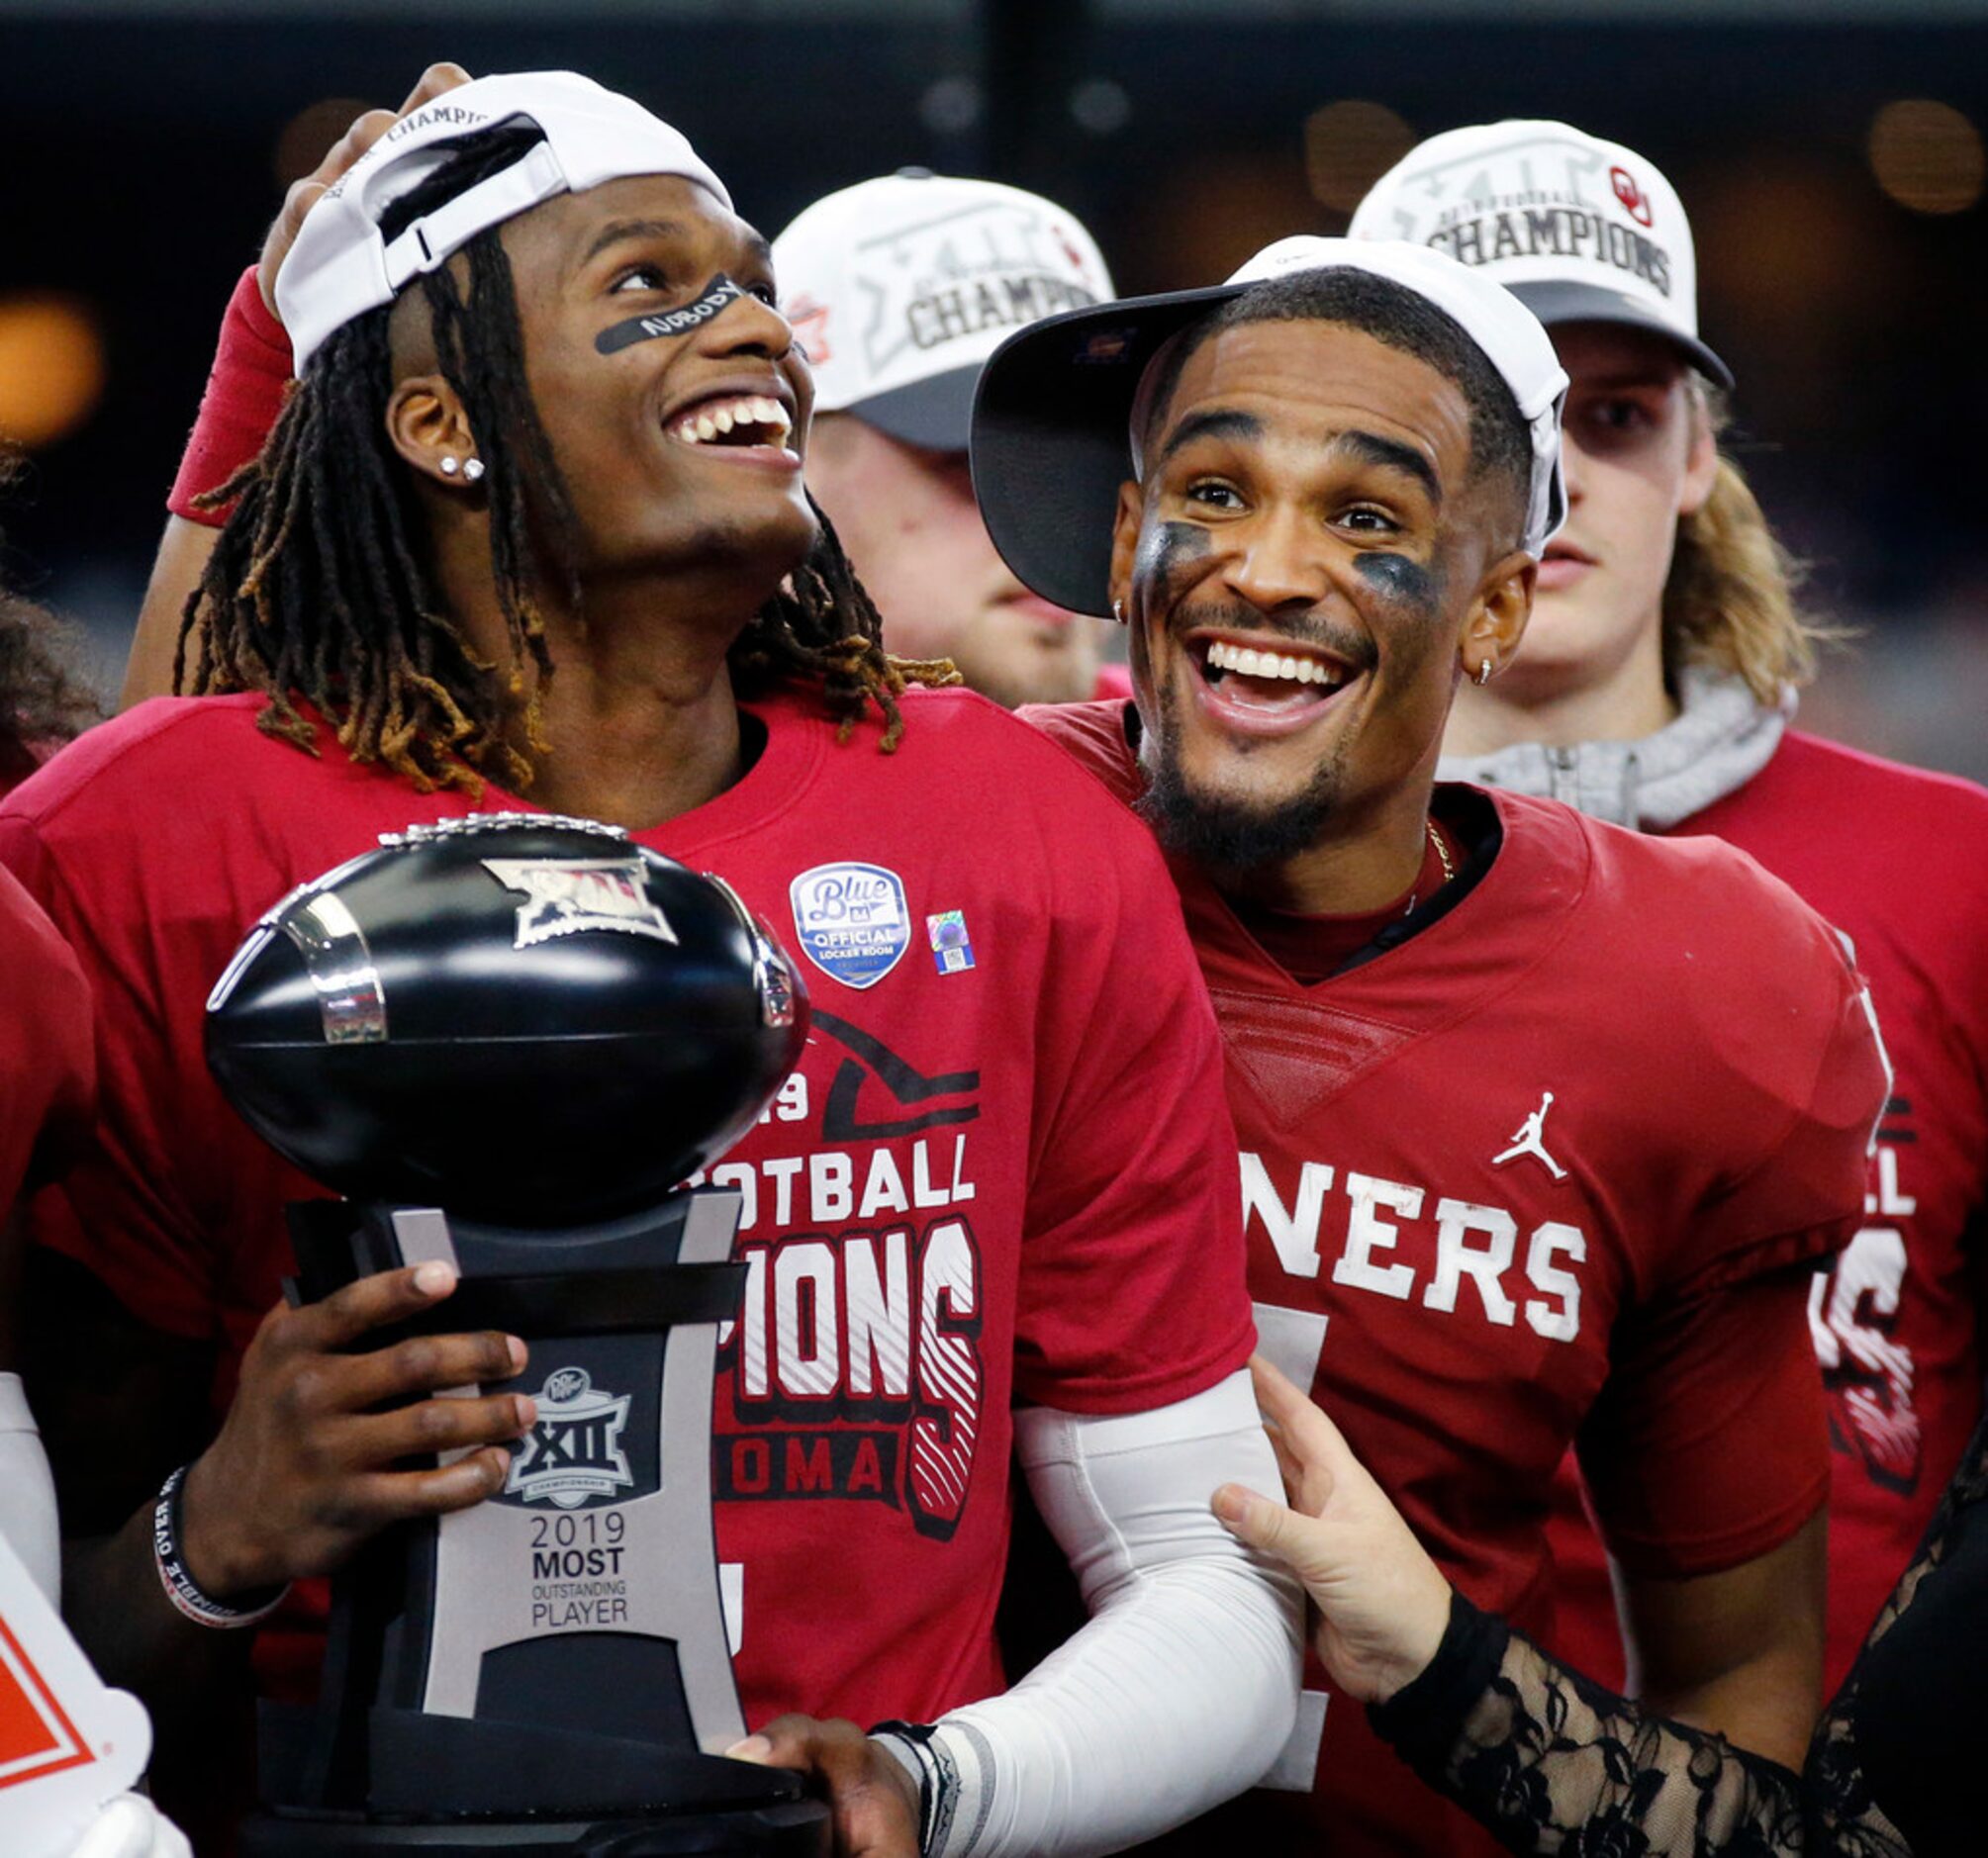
{"type": "Point", "coordinates": [1529, 1139]}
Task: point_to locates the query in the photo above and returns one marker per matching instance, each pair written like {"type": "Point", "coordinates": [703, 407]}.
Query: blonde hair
{"type": "Point", "coordinates": [1729, 599]}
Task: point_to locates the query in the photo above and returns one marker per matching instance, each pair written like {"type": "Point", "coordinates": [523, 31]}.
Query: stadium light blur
{"type": "Point", "coordinates": [1348, 146]}
{"type": "Point", "coordinates": [51, 367]}
{"type": "Point", "coordinates": [1927, 156]}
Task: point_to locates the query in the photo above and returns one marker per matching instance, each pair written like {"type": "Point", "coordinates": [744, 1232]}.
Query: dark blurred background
{"type": "Point", "coordinates": [1830, 153]}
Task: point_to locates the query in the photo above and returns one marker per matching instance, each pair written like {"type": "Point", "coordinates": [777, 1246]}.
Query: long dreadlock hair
{"type": "Point", "coordinates": [320, 588]}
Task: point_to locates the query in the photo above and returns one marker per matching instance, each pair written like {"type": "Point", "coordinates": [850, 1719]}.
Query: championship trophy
{"type": "Point", "coordinates": [506, 1040]}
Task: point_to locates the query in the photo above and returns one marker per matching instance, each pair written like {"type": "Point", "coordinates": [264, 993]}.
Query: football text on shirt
{"type": "Point", "coordinates": [1853, 1312]}
{"type": "Point", "coordinates": [854, 1361]}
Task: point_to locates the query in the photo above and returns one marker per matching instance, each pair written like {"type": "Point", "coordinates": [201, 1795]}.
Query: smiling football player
{"type": "Point", "coordinates": [533, 517]}
{"type": "Point", "coordinates": [1542, 1122]}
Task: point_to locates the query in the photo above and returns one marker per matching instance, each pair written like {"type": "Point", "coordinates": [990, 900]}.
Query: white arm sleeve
{"type": "Point", "coordinates": [1181, 1689]}
{"type": "Point", "coordinates": [27, 1493]}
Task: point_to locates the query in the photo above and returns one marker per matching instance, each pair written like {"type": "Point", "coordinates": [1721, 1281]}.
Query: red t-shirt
{"type": "Point", "coordinates": [1003, 1171]}
{"type": "Point", "coordinates": [1898, 860]}
{"type": "Point", "coordinates": [1502, 1185]}
{"type": "Point", "coordinates": [47, 1072]}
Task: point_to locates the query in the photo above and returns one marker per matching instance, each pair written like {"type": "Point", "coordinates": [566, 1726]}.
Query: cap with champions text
{"type": "Point", "coordinates": [341, 266]}
{"type": "Point", "coordinates": [1052, 435]}
{"type": "Point", "coordinates": [1581, 230]}
{"type": "Point", "coordinates": [901, 288]}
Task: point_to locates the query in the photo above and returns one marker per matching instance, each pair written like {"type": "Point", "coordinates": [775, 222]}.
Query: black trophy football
{"type": "Point", "coordinates": [524, 1019]}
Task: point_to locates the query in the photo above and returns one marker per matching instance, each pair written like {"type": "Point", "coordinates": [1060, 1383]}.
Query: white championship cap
{"type": "Point", "coordinates": [1583, 231]}
{"type": "Point", "coordinates": [900, 289]}
{"type": "Point", "coordinates": [1053, 426]}
{"type": "Point", "coordinates": [341, 266]}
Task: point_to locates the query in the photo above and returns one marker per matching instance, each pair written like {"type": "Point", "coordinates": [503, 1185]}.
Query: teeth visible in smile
{"type": "Point", "coordinates": [719, 420]}
{"type": "Point", "coordinates": [1254, 663]}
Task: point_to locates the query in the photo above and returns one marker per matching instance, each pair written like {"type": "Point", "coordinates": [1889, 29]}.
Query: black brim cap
{"type": "Point", "coordinates": [936, 413]}
{"type": "Point", "coordinates": [1052, 434]}
{"type": "Point", "coordinates": [1563, 302]}
{"type": "Point", "coordinates": [1052, 437]}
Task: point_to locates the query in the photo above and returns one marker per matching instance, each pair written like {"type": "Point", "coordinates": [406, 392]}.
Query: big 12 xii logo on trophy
{"type": "Point", "coordinates": [546, 1673]}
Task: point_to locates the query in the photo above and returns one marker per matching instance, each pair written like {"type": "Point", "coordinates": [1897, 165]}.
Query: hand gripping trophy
{"type": "Point", "coordinates": [506, 1038]}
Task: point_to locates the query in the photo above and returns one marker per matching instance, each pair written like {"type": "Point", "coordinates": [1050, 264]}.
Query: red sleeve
{"type": "Point", "coordinates": [1799, 1197]}
{"type": "Point", "coordinates": [1709, 1445]}
{"type": "Point", "coordinates": [244, 394]}
{"type": "Point", "coordinates": [116, 1212]}
{"type": "Point", "coordinates": [46, 1068]}
{"type": "Point", "coordinates": [1133, 1292]}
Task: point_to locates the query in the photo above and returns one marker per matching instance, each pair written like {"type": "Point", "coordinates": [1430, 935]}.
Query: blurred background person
{"type": "Point", "coordinates": [1656, 689]}
{"type": "Point", "coordinates": [45, 699]}
{"type": "Point", "coordinates": [900, 289]}
{"type": "Point", "coordinates": [47, 1089]}
{"type": "Point", "coordinates": [46, 1070]}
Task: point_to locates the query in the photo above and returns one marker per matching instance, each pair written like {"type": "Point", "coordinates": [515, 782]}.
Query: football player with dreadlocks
{"type": "Point", "coordinates": [532, 523]}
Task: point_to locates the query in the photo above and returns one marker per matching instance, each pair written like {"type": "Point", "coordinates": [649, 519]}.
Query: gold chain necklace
{"type": "Point", "coordinates": [1442, 857]}
{"type": "Point", "coordinates": [1442, 851]}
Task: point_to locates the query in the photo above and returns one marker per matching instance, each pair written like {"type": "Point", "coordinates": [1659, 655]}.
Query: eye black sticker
{"type": "Point", "coordinates": [694, 316]}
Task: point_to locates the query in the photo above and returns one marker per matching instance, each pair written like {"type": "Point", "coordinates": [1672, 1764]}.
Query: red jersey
{"type": "Point", "coordinates": [1898, 860]}
{"type": "Point", "coordinates": [1505, 1185]}
{"type": "Point", "coordinates": [47, 1072]}
{"type": "Point", "coordinates": [1003, 1171]}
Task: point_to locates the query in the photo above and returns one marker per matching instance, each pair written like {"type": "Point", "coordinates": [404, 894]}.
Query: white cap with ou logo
{"type": "Point", "coordinates": [341, 266]}
{"type": "Point", "coordinates": [1579, 230]}
{"type": "Point", "coordinates": [901, 288]}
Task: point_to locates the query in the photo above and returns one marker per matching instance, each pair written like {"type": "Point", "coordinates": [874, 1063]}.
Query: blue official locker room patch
{"type": "Point", "coordinates": [852, 921]}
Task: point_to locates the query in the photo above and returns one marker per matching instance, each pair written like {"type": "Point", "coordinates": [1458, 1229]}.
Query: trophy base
{"type": "Point", "coordinates": [794, 1828]}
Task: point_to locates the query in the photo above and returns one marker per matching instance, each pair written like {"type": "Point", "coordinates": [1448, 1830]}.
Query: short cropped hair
{"type": "Point", "coordinates": [1501, 440]}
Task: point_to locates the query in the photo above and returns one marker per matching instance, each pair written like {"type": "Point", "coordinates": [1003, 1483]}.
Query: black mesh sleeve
{"type": "Point", "coordinates": [1554, 1764]}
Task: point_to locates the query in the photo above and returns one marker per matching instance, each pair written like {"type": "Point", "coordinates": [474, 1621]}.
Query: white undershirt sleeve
{"type": "Point", "coordinates": [1181, 1690]}
{"type": "Point", "coordinates": [27, 1493]}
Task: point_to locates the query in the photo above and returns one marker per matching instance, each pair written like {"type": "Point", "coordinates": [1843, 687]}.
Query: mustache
{"type": "Point", "coordinates": [1347, 643]}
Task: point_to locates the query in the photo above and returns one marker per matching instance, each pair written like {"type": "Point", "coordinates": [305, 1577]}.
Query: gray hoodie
{"type": "Point", "coordinates": [1722, 738]}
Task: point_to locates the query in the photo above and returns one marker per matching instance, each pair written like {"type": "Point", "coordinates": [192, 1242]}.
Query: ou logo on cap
{"type": "Point", "coordinates": [1634, 200]}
